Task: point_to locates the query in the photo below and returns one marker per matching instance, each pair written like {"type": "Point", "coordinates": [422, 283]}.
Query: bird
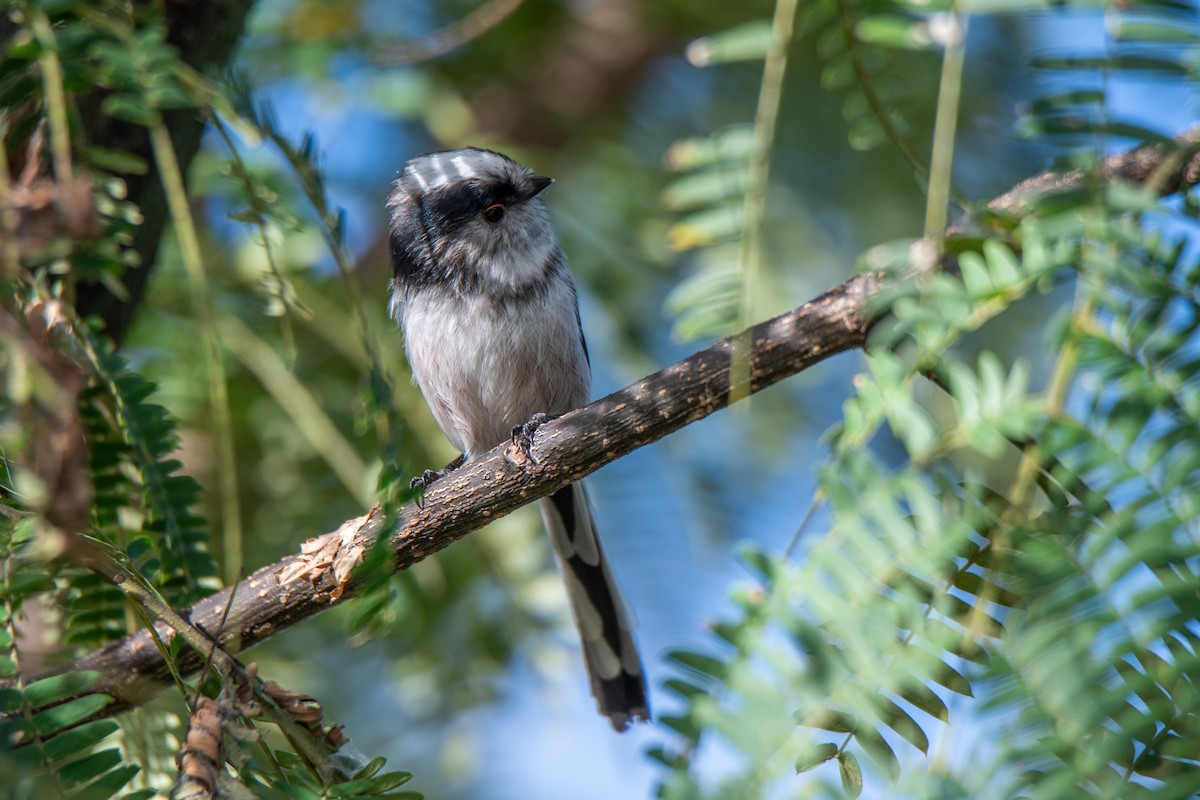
{"type": "Point", "coordinates": [490, 318]}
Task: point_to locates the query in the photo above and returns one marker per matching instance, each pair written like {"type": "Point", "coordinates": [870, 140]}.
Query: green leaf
{"type": "Point", "coordinates": [701, 189]}
{"type": "Point", "coordinates": [10, 699]}
{"type": "Point", "coordinates": [923, 698]}
{"type": "Point", "coordinates": [48, 690]}
{"type": "Point", "coordinates": [683, 688]}
{"type": "Point", "coordinates": [898, 720]}
{"type": "Point", "coordinates": [1003, 266]}
{"type": "Point", "coordinates": [712, 225]}
{"type": "Point", "coordinates": [349, 788]}
{"type": "Point", "coordinates": [130, 108]}
{"type": "Point", "coordinates": [295, 791]}
{"type": "Point", "coordinates": [696, 662]}
{"type": "Point", "coordinates": [818, 755]}
{"type": "Point", "coordinates": [668, 760]}
{"type": "Point", "coordinates": [762, 564]}
{"type": "Point", "coordinates": [880, 751]}
{"type": "Point", "coordinates": [695, 323]}
{"type": "Point", "coordinates": [947, 676]}
{"type": "Point", "coordinates": [1059, 100]}
{"type": "Point", "coordinates": [389, 780]}
{"type": "Point", "coordinates": [730, 145]}
{"type": "Point", "coordinates": [988, 590]}
{"type": "Point", "coordinates": [1129, 29]}
{"type": "Point", "coordinates": [866, 133]}
{"type": "Point", "coordinates": [73, 741]}
{"type": "Point", "coordinates": [713, 285]}
{"type": "Point", "coordinates": [117, 161]}
{"type": "Point", "coordinates": [66, 715]}
{"type": "Point", "coordinates": [371, 767]}
{"type": "Point", "coordinates": [852, 782]}
{"type": "Point", "coordinates": [976, 276]}
{"type": "Point", "coordinates": [826, 719]}
{"type": "Point", "coordinates": [88, 767]}
{"type": "Point", "coordinates": [140, 794]}
{"type": "Point", "coordinates": [23, 584]}
{"type": "Point", "coordinates": [839, 74]}
{"type": "Point", "coordinates": [684, 726]}
{"type": "Point", "coordinates": [1007, 6]}
{"type": "Point", "coordinates": [894, 31]}
{"type": "Point", "coordinates": [749, 41]}
{"type": "Point", "coordinates": [108, 784]}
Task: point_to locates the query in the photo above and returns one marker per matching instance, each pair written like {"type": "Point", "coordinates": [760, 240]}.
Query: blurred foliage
{"type": "Point", "coordinates": [1057, 608]}
{"type": "Point", "coordinates": [1024, 564]}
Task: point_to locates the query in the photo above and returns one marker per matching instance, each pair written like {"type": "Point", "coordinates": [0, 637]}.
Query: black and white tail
{"type": "Point", "coordinates": [613, 663]}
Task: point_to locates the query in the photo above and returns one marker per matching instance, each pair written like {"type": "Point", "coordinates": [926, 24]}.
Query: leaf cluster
{"type": "Point", "coordinates": [1025, 561]}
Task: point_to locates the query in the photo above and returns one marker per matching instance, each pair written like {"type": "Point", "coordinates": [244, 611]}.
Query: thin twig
{"type": "Point", "coordinates": [212, 650]}
{"type": "Point", "coordinates": [754, 207]}
{"type": "Point", "coordinates": [294, 398]}
{"type": "Point", "coordinates": [8, 214]}
{"type": "Point", "coordinates": [945, 126]}
{"type": "Point", "coordinates": [451, 37]}
{"type": "Point", "coordinates": [189, 246]}
{"type": "Point", "coordinates": [53, 96]}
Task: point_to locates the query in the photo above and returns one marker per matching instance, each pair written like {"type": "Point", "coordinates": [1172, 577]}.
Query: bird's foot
{"type": "Point", "coordinates": [426, 479]}
{"type": "Point", "coordinates": [522, 435]}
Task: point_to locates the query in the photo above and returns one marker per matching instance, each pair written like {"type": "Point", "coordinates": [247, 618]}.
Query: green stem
{"type": "Point", "coordinates": [301, 161]}
{"type": "Point", "coordinates": [298, 403]}
{"type": "Point", "coordinates": [55, 99]}
{"type": "Point", "coordinates": [1055, 398]}
{"type": "Point", "coordinates": [766, 118]}
{"type": "Point", "coordinates": [8, 214]}
{"type": "Point", "coordinates": [863, 78]}
{"type": "Point", "coordinates": [261, 210]}
{"type": "Point", "coordinates": [944, 129]}
{"type": "Point", "coordinates": [189, 246]}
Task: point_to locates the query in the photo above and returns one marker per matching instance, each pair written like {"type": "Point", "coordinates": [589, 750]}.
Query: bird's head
{"type": "Point", "coordinates": [470, 219]}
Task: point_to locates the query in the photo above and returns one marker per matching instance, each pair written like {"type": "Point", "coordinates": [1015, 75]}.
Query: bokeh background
{"type": "Point", "coordinates": [466, 671]}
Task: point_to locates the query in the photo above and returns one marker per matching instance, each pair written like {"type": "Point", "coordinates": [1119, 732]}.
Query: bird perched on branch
{"type": "Point", "coordinates": [491, 327]}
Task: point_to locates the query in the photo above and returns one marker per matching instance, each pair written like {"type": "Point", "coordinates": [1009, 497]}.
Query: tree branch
{"type": "Point", "coordinates": [565, 450]}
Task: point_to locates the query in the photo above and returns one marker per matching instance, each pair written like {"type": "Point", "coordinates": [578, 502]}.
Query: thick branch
{"type": "Point", "coordinates": [565, 450]}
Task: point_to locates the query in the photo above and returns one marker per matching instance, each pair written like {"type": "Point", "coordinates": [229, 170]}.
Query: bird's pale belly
{"type": "Point", "coordinates": [484, 370]}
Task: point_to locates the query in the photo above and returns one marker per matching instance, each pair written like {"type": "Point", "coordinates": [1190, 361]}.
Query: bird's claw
{"type": "Point", "coordinates": [423, 481]}
{"type": "Point", "coordinates": [522, 435]}
{"type": "Point", "coordinates": [426, 479]}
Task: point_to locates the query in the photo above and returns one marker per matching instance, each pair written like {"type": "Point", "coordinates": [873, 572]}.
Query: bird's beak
{"type": "Point", "coordinates": [538, 184]}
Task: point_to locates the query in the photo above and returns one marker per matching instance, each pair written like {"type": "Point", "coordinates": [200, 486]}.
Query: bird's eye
{"type": "Point", "coordinates": [494, 213]}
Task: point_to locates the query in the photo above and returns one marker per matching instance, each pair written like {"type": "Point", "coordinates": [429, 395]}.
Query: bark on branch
{"type": "Point", "coordinates": [565, 450]}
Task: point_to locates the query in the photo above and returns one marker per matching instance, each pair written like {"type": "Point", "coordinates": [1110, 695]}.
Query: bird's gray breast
{"type": "Point", "coordinates": [485, 366]}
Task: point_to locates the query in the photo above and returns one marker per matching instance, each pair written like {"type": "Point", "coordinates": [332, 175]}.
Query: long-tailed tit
{"type": "Point", "coordinates": [493, 337]}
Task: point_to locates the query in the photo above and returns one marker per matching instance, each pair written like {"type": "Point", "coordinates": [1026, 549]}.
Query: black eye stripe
{"type": "Point", "coordinates": [459, 201]}
{"type": "Point", "coordinates": [453, 202]}
{"type": "Point", "coordinates": [503, 193]}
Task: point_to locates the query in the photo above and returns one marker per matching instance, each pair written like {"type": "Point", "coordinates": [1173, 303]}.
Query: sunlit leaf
{"type": "Point", "coordinates": [815, 757]}
{"type": "Point", "coordinates": [746, 42]}
{"type": "Point", "coordinates": [852, 780]}
{"type": "Point", "coordinates": [898, 32]}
